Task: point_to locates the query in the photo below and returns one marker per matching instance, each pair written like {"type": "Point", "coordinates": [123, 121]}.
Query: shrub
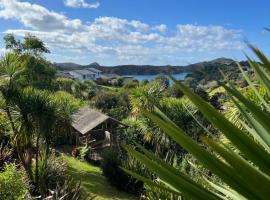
{"type": "Point", "coordinates": [83, 152]}
{"type": "Point", "coordinates": [13, 183]}
{"type": "Point", "coordinates": [69, 190]}
{"type": "Point", "coordinates": [131, 85]}
{"type": "Point", "coordinates": [51, 174]}
{"type": "Point", "coordinates": [175, 91]}
{"type": "Point", "coordinates": [115, 101]}
{"type": "Point", "coordinates": [5, 154]}
{"type": "Point", "coordinates": [157, 193]}
{"type": "Point", "coordinates": [110, 165]}
{"type": "Point", "coordinates": [119, 112]}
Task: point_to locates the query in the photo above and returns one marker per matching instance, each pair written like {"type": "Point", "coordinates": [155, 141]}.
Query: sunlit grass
{"type": "Point", "coordinates": [92, 180]}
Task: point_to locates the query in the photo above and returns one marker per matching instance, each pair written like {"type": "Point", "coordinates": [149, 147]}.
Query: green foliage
{"type": "Point", "coordinates": [93, 183]}
{"type": "Point", "coordinates": [152, 193]}
{"type": "Point", "coordinates": [69, 190]}
{"type": "Point", "coordinates": [176, 109]}
{"type": "Point", "coordinates": [52, 173]}
{"type": "Point", "coordinates": [37, 73]}
{"type": "Point", "coordinates": [252, 96]}
{"type": "Point", "coordinates": [65, 84]}
{"type": "Point", "coordinates": [110, 165]}
{"type": "Point", "coordinates": [5, 153]}
{"type": "Point", "coordinates": [131, 85]}
{"type": "Point", "coordinates": [120, 81]}
{"type": "Point", "coordinates": [239, 172]}
{"type": "Point", "coordinates": [30, 45]}
{"type": "Point", "coordinates": [34, 45]}
{"type": "Point", "coordinates": [133, 133]}
{"type": "Point", "coordinates": [12, 43]}
{"type": "Point", "coordinates": [84, 90]}
{"type": "Point", "coordinates": [163, 80]}
{"type": "Point", "coordinates": [144, 82]}
{"type": "Point", "coordinates": [115, 104]}
{"type": "Point", "coordinates": [146, 96]}
{"type": "Point", "coordinates": [13, 183]}
{"type": "Point", "coordinates": [119, 112]}
{"type": "Point", "coordinates": [25, 63]}
{"type": "Point", "coordinates": [175, 91]}
{"type": "Point", "coordinates": [84, 152]}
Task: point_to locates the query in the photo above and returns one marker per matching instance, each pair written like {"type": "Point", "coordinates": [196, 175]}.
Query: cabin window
{"type": "Point", "coordinates": [84, 76]}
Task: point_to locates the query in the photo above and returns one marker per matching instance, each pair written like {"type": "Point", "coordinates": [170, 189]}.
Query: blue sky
{"type": "Point", "coordinates": [157, 32]}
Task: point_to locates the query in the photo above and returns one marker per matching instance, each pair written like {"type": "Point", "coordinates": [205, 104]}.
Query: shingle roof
{"type": "Point", "coordinates": [87, 119]}
{"type": "Point", "coordinates": [93, 70]}
{"type": "Point", "coordinates": [83, 71]}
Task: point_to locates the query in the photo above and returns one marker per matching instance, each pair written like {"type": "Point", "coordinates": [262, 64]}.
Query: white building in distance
{"type": "Point", "coordinates": [84, 74]}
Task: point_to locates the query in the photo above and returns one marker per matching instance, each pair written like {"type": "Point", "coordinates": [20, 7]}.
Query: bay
{"type": "Point", "coordinates": [180, 76]}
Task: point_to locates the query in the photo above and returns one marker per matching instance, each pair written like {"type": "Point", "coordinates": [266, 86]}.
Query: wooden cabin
{"type": "Point", "coordinates": [96, 130]}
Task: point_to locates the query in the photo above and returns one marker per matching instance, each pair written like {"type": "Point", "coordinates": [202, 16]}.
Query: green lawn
{"type": "Point", "coordinates": [92, 180]}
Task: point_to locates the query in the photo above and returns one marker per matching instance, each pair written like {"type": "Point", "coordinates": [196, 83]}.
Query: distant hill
{"type": "Point", "coordinates": [148, 69]}
{"type": "Point", "coordinates": [123, 69]}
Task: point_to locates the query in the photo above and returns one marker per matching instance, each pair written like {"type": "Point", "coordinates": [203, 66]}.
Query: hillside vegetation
{"type": "Point", "coordinates": [205, 137]}
{"type": "Point", "coordinates": [148, 69]}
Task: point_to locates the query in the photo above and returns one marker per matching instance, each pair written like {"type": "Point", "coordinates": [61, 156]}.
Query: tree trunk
{"type": "Point", "coordinates": [11, 121]}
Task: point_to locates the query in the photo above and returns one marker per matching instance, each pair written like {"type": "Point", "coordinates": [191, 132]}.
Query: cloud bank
{"type": "Point", "coordinates": [121, 39]}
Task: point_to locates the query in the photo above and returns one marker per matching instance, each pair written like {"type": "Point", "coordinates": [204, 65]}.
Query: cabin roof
{"type": "Point", "coordinates": [86, 119]}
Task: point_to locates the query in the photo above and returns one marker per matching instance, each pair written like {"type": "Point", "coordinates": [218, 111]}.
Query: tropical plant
{"type": "Point", "coordinates": [5, 154]}
{"type": "Point", "coordinates": [13, 183]}
{"type": "Point", "coordinates": [146, 96]}
{"type": "Point", "coordinates": [244, 175]}
{"type": "Point", "coordinates": [69, 190]}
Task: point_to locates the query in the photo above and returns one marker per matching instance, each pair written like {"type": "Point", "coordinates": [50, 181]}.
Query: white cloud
{"type": "Point", "coordinates": [119, 39]}
{"type": "Point", "coordinates": [37, 17]}
{"type": "Point", "coordinates": [162, 28]}
{"type": "Point", "coordinates": [2, 51]}
{"type": "Point", "coordinates": [80, 4]}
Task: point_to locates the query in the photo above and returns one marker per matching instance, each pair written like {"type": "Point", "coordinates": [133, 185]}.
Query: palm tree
{"type": "Point", "coordinates": [11, 67]}
{"type": "Point", "coordinates": [34, 115]}
{"type": "Point", "coordinates": [146, 96]}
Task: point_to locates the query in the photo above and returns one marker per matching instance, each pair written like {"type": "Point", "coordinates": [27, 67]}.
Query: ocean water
{"type": "Point", "coordinates": [180, 76]}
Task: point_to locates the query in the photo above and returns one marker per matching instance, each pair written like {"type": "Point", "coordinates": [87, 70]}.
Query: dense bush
{"type": "Point", "coordinates": [6, 152]}
{"type": "Point", "coordinates": [163, 80]}
{"type": "Point", "coordinates": [115, 104]}
{"type": "Point", "coordinates": [175, 91]}
{"type": "Point", "coordinates": [110, 165]}
{"type": "Point", "coordinates": [13, 183]}
{"type": "Point", "coordinates": [69, 190]}
{"type": "Point", "coordinates": [84, 152]}
{"type": "Point", "coordinates": [131, 85]}
{"type": "Point", "coordinates": [51, 174]}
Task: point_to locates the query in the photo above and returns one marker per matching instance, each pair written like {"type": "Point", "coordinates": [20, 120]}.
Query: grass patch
{"type": "Point", "coordinates": [92, 180]}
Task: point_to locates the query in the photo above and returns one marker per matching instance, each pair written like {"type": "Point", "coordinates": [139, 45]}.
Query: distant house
{"type": "Point", "coordinates": [82, 74]}
{"type": "Point", "coordinates": [96, 130]}
{"type": "Point", "coordinates": [127, 79]}
{"type": "Point", "coordinates": [112, 78]}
